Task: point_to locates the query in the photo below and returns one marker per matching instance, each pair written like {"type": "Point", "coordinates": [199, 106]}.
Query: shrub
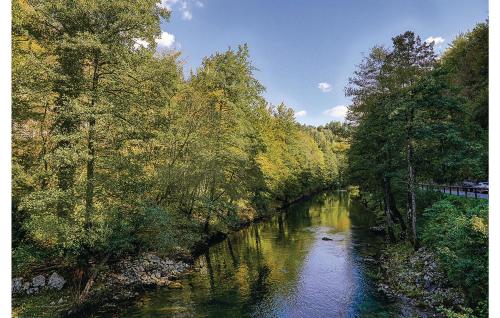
{"type": "Point", "coordinates": [163, 231]}
{"type": "Point", "coordinates": [25, 257]}
{"type": "Point", "coordinates": [457, 228]}
{"type": "Point", "coordinates": [427, 198]}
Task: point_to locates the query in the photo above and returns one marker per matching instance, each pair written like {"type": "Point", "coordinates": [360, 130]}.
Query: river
{"type": "Point", "coordinates": [283, 267]}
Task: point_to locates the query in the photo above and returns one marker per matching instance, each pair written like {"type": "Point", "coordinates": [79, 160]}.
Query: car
{"type": "Point", "coordinates": [482, 187]}
{"type": "Point", "coordinates": [467, 185]}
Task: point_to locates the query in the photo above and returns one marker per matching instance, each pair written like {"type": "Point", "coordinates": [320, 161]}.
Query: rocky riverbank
{"type": "Point", "coordinates": [39, 283]}
{"type": "Point", "coordinates": [149, 269]}
{"type": "Point", "coordinates": [415, 277]}
{"type": "Point", "coordinates": [120, 281]}
{"type": "Point", "coordinates": [115, 283]}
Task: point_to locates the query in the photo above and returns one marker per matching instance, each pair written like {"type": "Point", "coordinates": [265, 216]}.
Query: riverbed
{"type": "Point", "coordinates": [311, 260]}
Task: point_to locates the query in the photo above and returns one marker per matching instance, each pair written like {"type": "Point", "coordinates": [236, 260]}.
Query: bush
{"type": "Point", "coordinates": [26, 257]}
{"type": "Point", "coordinates": [457, 228]}
{"type": "Point", "coordinates": [164, 231]}
{"type": "Point", "coordinates": [148, 228]}
{"type": "Point", "coordinates": [427, 198]}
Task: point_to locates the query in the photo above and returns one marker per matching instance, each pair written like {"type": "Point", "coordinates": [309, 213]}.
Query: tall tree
{"type": "Point", "coordinates": [409, 60]}
{"type": "Point", "coordinates": [374, 156]}
{"type": "Point", "coordinates": [92, 44]}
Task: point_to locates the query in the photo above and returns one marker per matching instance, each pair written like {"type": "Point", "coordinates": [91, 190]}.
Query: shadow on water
{"type": "Point", "coordinates": [283, 268]}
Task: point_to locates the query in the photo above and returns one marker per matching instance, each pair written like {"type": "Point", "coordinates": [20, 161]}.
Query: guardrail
{"type": "Point", "coordinates": [457, 190]}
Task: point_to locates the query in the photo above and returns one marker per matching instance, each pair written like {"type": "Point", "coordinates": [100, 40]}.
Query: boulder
{"type": "Point", "coordinates": [26, 286]}
{"type": "Point", "coordinates": [38, 281]}
{"type": "Point", "coordinates": [56, 281]}
{"type": "Point", "coordinates": [169, 262]}
{"type": "Point", "coordinates": [17, 285]}
{"type": "Point", "coordinates": [32, 290]}
{"type": "Point", "coordinates": [153, 258]}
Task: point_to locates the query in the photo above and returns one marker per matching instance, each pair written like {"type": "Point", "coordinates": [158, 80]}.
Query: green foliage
{"type": "Point", "coordinates": [427, 198]}
{"type": "Point", "coordinates": [115, 151]}
{"type": "Point", "coordinates": [26, 257]}
{"type": "Point", "coordinates": [158, 230]}
{"type": "Point", "coordinates": [457, 228]}
{"type": "Point", "coordinates": [427, 104]}
{"type": "Point", "coordinates": [467, 63]}
{"type": "Point", "coordinates": [417, 119]}
{"type": "Point", "coordinates": [468, 313]}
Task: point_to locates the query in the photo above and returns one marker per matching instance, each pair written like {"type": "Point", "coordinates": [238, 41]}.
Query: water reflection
{"type": "Point", "coordinates": [282, 268]}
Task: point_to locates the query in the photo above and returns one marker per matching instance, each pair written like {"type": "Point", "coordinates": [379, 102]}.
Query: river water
{"type": "Point", "coordinates": [284, 268]}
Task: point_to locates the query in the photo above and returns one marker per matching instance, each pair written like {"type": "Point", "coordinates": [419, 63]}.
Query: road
{"type": "Point", "coordinates": [462, 193]}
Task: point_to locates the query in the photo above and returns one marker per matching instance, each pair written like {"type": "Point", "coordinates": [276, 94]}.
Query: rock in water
{"type": "Point", "coordinates": [324, 238]}
{"type": "Point", "coordinates": [56, 281]}
{"type": "Point", "coordinates": [38, 281]}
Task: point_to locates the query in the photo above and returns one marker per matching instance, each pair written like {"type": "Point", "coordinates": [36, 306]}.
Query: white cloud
{"type": "Point", "coordinates": [167, 4]}
{"type": "Point", "coordinates": [184, 7]}
{"type": "Point", "coordinates": [166, 40]}
{"type": "Point", "coordinates": [325, 87]}
{"type": "Point", "coordinates": [337, 112]}
{"type": "Point", "coordinates": [300, 113]}
{"type": "Point", "coordinates": [437, 40]}
{"type": "Point", "coordinates": [187, 15]}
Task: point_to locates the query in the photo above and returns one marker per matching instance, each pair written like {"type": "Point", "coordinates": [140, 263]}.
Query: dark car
{"type": "Point", "coordinates": [468, 185]}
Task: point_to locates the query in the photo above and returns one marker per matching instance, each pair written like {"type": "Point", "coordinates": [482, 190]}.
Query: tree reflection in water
{"type": "Point", "coordinates": [282, 268]}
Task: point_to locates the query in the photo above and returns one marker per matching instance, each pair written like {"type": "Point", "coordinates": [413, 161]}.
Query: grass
{"type": "Point", "coordinates": [44, 304]}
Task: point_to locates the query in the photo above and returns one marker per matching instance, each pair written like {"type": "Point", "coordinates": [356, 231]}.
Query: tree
{"type": "Point", "coordinates": [405, 102]}
{"type": "Point", "coordinates": [115, 152]}
{"type": "Point", "coordinates": [466, 63]}
{"type": "Point", "coordinates": [409, 60]}
{"type": "Point", "coordinates": [91, 45]}
{"type": "Point", "coordinates": [374, 156]}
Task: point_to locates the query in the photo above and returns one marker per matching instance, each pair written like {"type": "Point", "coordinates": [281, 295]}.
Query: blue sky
{"type": "Point", "coordinates": [297, 45]}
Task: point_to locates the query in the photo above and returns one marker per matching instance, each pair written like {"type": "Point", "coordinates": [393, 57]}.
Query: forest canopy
{"type": "Point", "coordinates": [115, 150]}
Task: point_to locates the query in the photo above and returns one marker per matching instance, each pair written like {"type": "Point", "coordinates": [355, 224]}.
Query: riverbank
{"type": "Point", "coordinates": [282, 268]}
{"type": "Point", "coordinates": [115, 283]}
{"type": "Point", "coordinates": [415, 277]}
{"type": "Point", "coordinates": [124, 279]}
{"type": "Point", "coordinates": [447, 276]}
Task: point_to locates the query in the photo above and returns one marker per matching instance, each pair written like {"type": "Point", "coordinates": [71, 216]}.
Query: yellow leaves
{"type": "Point", "coordinates": [479, 225]}
{"type": "Point", "coordinates": [273, 168]}
{"type": "Point", "coordinates": [216, 94]}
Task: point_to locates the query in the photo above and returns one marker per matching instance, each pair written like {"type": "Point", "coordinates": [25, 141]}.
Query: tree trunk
{"type": "Point", "coordinates": [411, 204]}
{"type": "Point", "coordinates": [89, 197]}
{"type": "Point", "coordinates": [89, 194]}
{"type": "Point", "coordinates": [92, 274]}
{"type": "Point", "coordinates": [387, 209]}
{"type": "Point", "coordinates": [396, 215]}
{"type": "Point", "coordinates": [88, 287]}
{"type": "Point", "coordinates": [207, 223]}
